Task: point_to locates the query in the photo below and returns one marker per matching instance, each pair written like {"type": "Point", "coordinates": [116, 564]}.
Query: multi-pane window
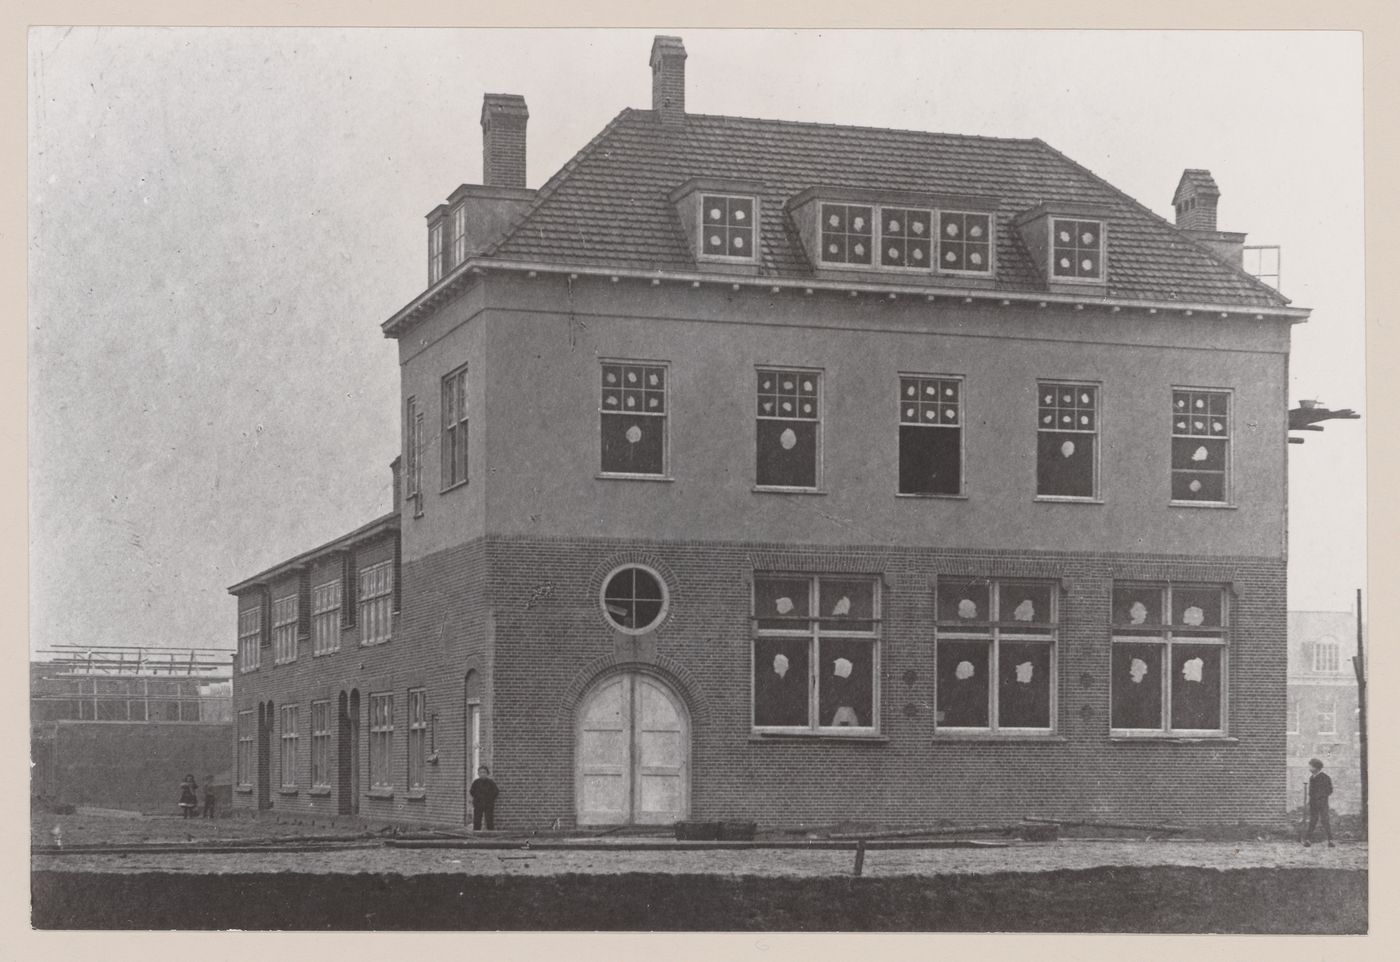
{"type": "Point", "coordinates": [320, 744]}
{"type": "Point", "coordinates": [930, 435]}
{"type": "Point", "coordinates": [848, 233]}
{"type": "Point", "coordinates": [1327, 655]}
{"type": "Point", "coordinates": [815, 652]}
{"type": "Point", "coordinates": [376, 601]}
{"type": "Point", "coordinates": [381, 741]}
{"type": "Point", "coordinates": [435, 253]}
{"type": "Point", "coordinates": [284, 629]}
{"type": "Point", "coordinates": [1327, 717]}
{"type": "Point", "coordinates": [634, 599]}
{"type": "Point", "coordinates": [413, 455]}
{"type": "Point", "coordinates": [244, 761]}
{"type": "Point", "coordinates": [996, 654]}
{"type": "Point", "coordinates": [325, 618]}
{"type": "Point", "coordinates": [417, 736]}
{"type": "Point", "coordinates": [1077, 249]}
{"type": "Point", "coordinates": [727, 226]}
{"type": "Point", "coordinates": [964, 242]}
{"type": "Point", "coordinates": [454, 428]}
{"type": "Point", "coordinates": [1294, 716]}
{"type": "Point", "coordinates": [457, 236]}
{"type": "Point", "coordinates": [290, 718]}
{"type": "Point", "coordinates": [632, 418]}
{"type": "Point", "coordinates": [1170, 658]}
{"type": "Point", "coordinates": [906, 237]}
{"type": "Point", "coordinates": [1200, 446]}
{"type": "Point", "coordinates": [249, 638]}
{"type": "Point", "coordinates": [1066, 438]}
{"type": "Point", "coordinates": [789, 428]}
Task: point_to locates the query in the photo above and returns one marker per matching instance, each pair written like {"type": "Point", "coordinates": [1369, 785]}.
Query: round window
{"type": "Point", "coordinates": [634, 599]}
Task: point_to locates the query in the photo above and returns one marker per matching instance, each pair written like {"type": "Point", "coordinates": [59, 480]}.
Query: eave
{"type": "Point", "coordinates": [376, 528]}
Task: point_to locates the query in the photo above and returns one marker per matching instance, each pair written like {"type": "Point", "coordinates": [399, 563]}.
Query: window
{"type": "Point", "coordinates": [634, 599]}
{"type": "Point", "coordinates": [996, 655]}
{"type": "Point", "coordinates": [376, 597]}
{"type": "Point", "coordinates": [417, 736]}
{"type": "Point", "coordinates": [454, 429]}
{"type": "Point", "coordinates": [964, 242]}
{"type": "Point", "coordinates": [789, 428]}
{"type": "Point", "coordinates": [906, 237]}
{"type": "Point", "coordinates": [457, 237]}
{"type": "Point", "coordinates": [1200, 446]}
{"type": "Point", "coordinates": [815, 653]}
{"type": "Point", "coordinates": [1077, 249]}
{"type": "Point", "coordinates": [325, 618]}
{"type": "Point", "coordinates": [1327, 717]}
{"type": "Point", "coordinates": [435, 253]}
{"type": "Point", "coordinates": [249, 638]}
{"type": "Point", "coordinates": [1169, 661]}
{"type": "Point", "coordinates": [381, 741]}
{"type": "Point", "coordinates": [284, 630]}
{"type": "Point", "coordinates": [1293, 716]}
{"type": "Point", "coordinates": [320, 744]}
{"type": "Point", "coordinates": [1068, 429]}
{"type": "Point", "coordinates": [848, 234]}
{"type": "Point", "coordinates": [413, 455]}
{"type": "Point", "coordinates": [1327, 655]}
{"type": "Point", "coordinates": [632, 419]}
{"type": "Point", "coordinates": [727, 227]}
{"type": "Point", "coordinates": [290, 718]}
{"type": "Point", "coordinates": [930, 435]}
{"type": "Point", "coordinates": [244, 762]}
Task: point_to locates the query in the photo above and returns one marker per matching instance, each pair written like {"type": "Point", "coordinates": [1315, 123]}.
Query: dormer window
{"type": "Point", "coordinates": [906, 237]}
{"type": "Point", "coordinates": [727, 227]}
{"type": "Point", "coordinates": [848, 233]}
{"type": "Point", "coordinates": [1068, 242]}
{"type": "Point", "coordinates": [964, 242]}
{"type": "Point", "coordinates": [435, 253]}
{"type": "Point", "coordinates": [1076, 249]}
{"type": "Point", "coordinates": [457, 236]}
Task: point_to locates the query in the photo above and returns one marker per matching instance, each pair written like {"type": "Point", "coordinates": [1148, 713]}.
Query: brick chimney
{"type": "Point", "coordinates": [668, 79]}
{"type": "Point", "coordinates": [503, 118]}
{"type": "Point", "coordinates": [1195, 199]}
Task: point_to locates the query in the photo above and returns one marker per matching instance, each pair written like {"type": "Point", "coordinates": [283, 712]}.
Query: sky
{"type": "Point", "coordinates": [221, 218]}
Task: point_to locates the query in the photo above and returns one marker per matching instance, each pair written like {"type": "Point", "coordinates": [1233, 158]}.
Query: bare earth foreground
{"type": "Point", "coordinates": [344, 882]}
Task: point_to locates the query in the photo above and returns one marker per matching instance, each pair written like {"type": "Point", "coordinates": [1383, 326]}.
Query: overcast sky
{"type": "Point", "coordinates": [220, 219]}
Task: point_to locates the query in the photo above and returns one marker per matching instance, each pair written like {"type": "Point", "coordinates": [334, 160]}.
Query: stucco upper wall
{"type": "Point", "coordinates": [542, 340]}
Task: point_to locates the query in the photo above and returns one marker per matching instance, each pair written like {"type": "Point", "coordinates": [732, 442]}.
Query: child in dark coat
{"type": "Point", "coordinates": [483, 793]}
{"type": "Point", "coordinates": [1319, 802]}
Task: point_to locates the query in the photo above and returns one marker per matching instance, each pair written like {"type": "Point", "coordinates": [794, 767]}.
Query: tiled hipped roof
{"type": "Point", "coordinates": [609, 206]}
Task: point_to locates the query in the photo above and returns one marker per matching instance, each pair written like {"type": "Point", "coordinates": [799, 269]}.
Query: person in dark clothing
{"type": "Point", "coordinates": [208, 796]}
{"type": "Point", "coordinates": [483, 793]}
{"type": "Point", "coordinates": [188, 799]}
{"type": "Point", "coordinates": [1319, 802]}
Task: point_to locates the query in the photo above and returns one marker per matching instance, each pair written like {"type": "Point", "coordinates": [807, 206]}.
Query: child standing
{"type": "Point", "coordinates": [188, 799]}
{"type": "Point", "coordinates": [483, 793]}
{"type": "Point", "coordinates": [208, 796]}
{"type": "Point", "coordinates": [1319, 802]}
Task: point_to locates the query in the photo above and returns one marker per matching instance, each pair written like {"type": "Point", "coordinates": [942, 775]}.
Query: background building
{"type": "Point", "coordinates": [1323, 719]}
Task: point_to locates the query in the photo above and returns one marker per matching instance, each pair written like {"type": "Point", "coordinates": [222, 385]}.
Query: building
{"type": "Point", "coordinates": [1323, 716]}
{"type": "Point", "coordinates": [792, 472]}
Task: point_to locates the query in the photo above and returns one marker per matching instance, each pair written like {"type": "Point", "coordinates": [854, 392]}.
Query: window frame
{"type": "Point", "coordinates": [370, 598]}
{"type": "Point", "coordinates": [249, 638]}
{"type": "Point", "coordinates": [243, 757]}
{"type": "Point", "coordinates": [436, 252]}
{"type": "Point", "coordinates": [991, 216]}
{"type": "Point", "coordinates": [813, 633]}
{"type": "Point", "coordinates": [882, 238]}
{"type": "Point", "coordinates": [456, 239]}
{"type": "Point", "coordinates": [661, 613]}
{"type": "Point", "coordinates": [1293, 721]}
{"type": "Point", "coordinates": [1167, 636]}
{"type": "Point", "coordinates": [1227, 472]}
{"type": "Point", "coordinates": [879, 236]}
{"type": "Point", "coordinates": [1330, 711]}
{"type": "Point", "coordinates": [381, 741]}
{"type": "Point", "coordinates": [664, 417]}
{"type": "Point", "coordinates": [456, 431]}
{"type": "Point", "coordinates": [1327, 656]}
{"type": "Point", "coordinates": [1056, 278]}
{"type": "Point", "coordinates": [413, 455]}
{"type": "Point", "coordinates": [288, 733]}
{"type": "Point", "coordinates": [1056, 384]}
{"type": "Point", "coordinates": [900, 424]}
{"type": "Point", "coordinates": [285, 622]}
{"type": "Point", "coordinates": [702, 252]}
{"type": "Point", "coordinates": [417, 739]}
{"type": "Point", "coordinates": [326, 621]}
{"type": "Point", "coordinates": [995, 631]}
{"type": "Point", "coordinates": [818, 435]}
{"type": "Point", "coordinates": [321, 744]}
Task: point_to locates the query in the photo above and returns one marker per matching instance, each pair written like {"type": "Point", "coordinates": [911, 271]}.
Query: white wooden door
{"type": "Point", "coordinates": [632, 752]}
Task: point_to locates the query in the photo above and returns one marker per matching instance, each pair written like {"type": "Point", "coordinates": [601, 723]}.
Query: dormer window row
{"type": "Point", "coordinates": [905, 238]}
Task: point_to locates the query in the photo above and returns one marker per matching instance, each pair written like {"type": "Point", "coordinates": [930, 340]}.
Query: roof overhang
{"type": "Point", "coordinates": [375, 529]}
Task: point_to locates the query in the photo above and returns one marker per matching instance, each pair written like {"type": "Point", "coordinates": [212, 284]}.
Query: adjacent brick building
{"type": "Point", "coordinates": [793, 472]}
{"type": "Point", "coordinates": [1323, 717]}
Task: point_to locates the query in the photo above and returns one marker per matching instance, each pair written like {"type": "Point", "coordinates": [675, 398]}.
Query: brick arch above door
{"type": "Point", "coordinates": [682, 681]}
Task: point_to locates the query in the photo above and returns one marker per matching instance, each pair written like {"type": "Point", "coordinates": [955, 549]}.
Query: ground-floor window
{"type": "Point", "coordinates": [244, 761]}
{"type": "Point", "coordinates": [320, 744]}
{"type": "Point", "coordinates": [289, 734]}
{"type": "Point", "coordinates": [381, 740]}
{"type": "Point", "coordinates": [815, 652]}
{"type": "Point", "coordinates": [417, 736]}
{"type": "Point", "coordinates": [995, 662]}
{"type": "Point", "coordinates": [1170, 658]}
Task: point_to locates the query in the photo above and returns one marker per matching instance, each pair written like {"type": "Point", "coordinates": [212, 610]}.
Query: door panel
{"type": "Point", "coordinates": [604, 751]}
{"type": "Point", "coordinates": [631, 753]}
{"type": "Point", "coordinates": [661, 761]}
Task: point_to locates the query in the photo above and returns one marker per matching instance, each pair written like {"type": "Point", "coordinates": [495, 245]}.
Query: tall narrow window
{"type": "Point", "coordinates": [1327, 717]}
{"type": "Point", "coordinates": [1077, 249]}
{"type": "Point", "coordinates": [320, 744]}
{"type": "Point", "coordinates": [1327, 655]}
{"type": "Point", "coordinates": [435, 253]}
{"type": "Point", "coordinates": [632, 416]}
{"type": "Point", "coordinates": [381, 741]}
{"type": "Point", "coordinates": [1067, 435]}
{"type": "Point", "coordinates": [454, 428]}
{"type": "Point", "coordinates": [727, 227]}
{"type": "Point", "coordinates": [289, 733]}
{"type": "Point", "coordinates": [244, 761]}
{"type": "Point", "coordinates": [996, 655]}
{"type": "Point", "coordinates": [906, 237]}
{"type": "Point", "coordinates": [417, 736]}
{"type": "Point", "coordinates": [376, 599]}
{"type": "Point", "coordinates": [1169, 661]}
{"type": "Point", "coordinates": [413, 458]}
{"type": "Point", "coordinates": [284, 630]}
{"type": "Point", "coordinates": [249, 638]}
{"type": "Point", "coordinates": [1201, 446]}
{"type": "Point", "coordinates": [930, 435]}
{"type": "Point", "coordinates": [325, 618]}
{"type": "Point", "coordinates": [457, 238]}
{"type": "Point", "coordinates": [789, 428]}
{"type": "Point", "coordinates": [964, 242]}
{"type": "Point", "coordinates": [816, 653]}
{"type": "Point", "coordinates": [848, 234]}
{"type": "Point", "coordinates": [1294, 716]}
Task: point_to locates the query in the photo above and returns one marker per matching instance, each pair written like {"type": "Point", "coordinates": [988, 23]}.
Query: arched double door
{"type": "Point", "coordinates": [631, 753]}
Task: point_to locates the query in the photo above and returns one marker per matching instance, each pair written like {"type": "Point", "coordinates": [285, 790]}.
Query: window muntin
{"type": "Point", "coordinates": [996, 661]}
{"type": "Point", "coordinates": [906, 237]}
{"type": "Point", "coordinates": [816, 653]}
{"type": "Point", "coordinates": [325, 618]}
{"type": "Point", "coordinates": [284, 630]}
{"type": "Point", "coordinates": [789, 428]}
{"type": "Point", "coordinates": [930, 434]}
{"type": "Point", "coordinates": [288, 732]}
{"type": "Point", "coordinates": [417, 737]}
{"type": "Point", "coordinates": [244, 761]}
{"type": "Point", "coordinates": [727, 227]}
{"type": "Point", "coordinates": [454, 428]}
{"type": "Point", "coordinates": [964, 242]}
{"type": "Point", "coordinates": [434, 253]}
{"type": "Point", "coordinates": [1327, 655]}
{"type": "Point", "coordinates": [320, 744]}
{"type": "Point", "coordinates": [1170, 659]}
{"type": "Point", "coordinates": [381, 741]}
{"type": "Point", "coordinates": [376, 598]}
{"type": "Point", "coordinates": [632, 418]}
{"type": "Point", "coordinates": [1076, 249]}
{"type": "Point", "coordinates": [848, 233]}
{"type": "Point", "coordinates": [413, 458]}
{"type": "Point", "coordinates": [457, 236]}
{"type": "Point", "coordinates": [1067, 440]}
{"type": "Point", "coordinates": [249, 638]}
{"type": "Point", "coordinates": [1327, 717]}
{"type": "Point", "coordinates": [1201, 446]}
{"type": "Point", "coordinates": [634, 599]}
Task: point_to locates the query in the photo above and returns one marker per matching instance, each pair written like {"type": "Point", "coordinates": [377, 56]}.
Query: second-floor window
{"type": "Point", "coordinates": [1327, 655]}
{"type": "Point", "coordinates": [930, 435]}
{"type": "Point", "coordinates": [454, 429]}
{"type": "Point", "coordinates": [376, 601]}
{"type": "Point", "coordinates": [1201, 446]}
{"type": "Point", "coordinates": [249, 638]}
{"type": "Point", "coordinates": [789, 428]}
{"type": "Point", "coordinates": [325, 618]}
{"type": "Point", "coordinates": [1067, 432]}
{"type": "Point", "coordinates": [284, 629]}
{"type": "Point", "coordinates": [1327, 717]}
{"type": "Point", "coordinates": [413, 455]}
{"type": "Point", "coordinates": [632, 418]}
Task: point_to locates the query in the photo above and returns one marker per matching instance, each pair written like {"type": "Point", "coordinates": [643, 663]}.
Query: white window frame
{"type": "Point", "coordinates": [703, 250]}
{"type": "Point", "coordinates": [244, 758]}
{"type": "Point", "coordinates": [381, 741]}
{"type": "Point", "coordinates": [456, 433]}
{"type": "Point", "coordinates": [1059, 384]}
{"type": "Point", "coordinates": [456, 237]}
{"type": "Point", "coordinates": [1327, 656]}
{"type": "Point", "coordinates": [920, 383]}
{"type": "Point", "coordinates": [435, 252]}
{"type": "Point", "coordinates": [639, 629]}
{"type": "Point", "coordinates": [880, 236]}
{"type": "Point", "coordinates": [1052, 227]}
{"type": "Point", "coordinates": [288, 724]}
{"type": "Point", "coordinates": [991, 269]}
{"type": "Point", "coordinates": [1228, 419]}
{"type": "Point", "coordinates": [284, 629]}
{"type": "Point", "coordinates": [325, 617]}
{"type": "Point", "coordinates": [321, 744]}
{"type": "Point", "coordinates": [1292, 723]}
{"type": "Point", "coordinates": [413, 455]}
{"type": "Point", "coordinates": [376, 603]}
{"type": "Point", "coordinates": [249, 639]}
{"type": "Point", "coordinates": [664, 417]}
{"type": "Point", "coordinates": [819, 419]}
{"type": "Point", "coordinates": [1327, 717]}
{"type": "Point", "coordinates": [417, 739]}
